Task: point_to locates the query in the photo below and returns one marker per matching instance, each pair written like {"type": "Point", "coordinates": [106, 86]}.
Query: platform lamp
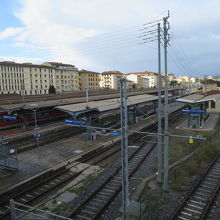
{"type": "Point", "coordinates": [34, 107]}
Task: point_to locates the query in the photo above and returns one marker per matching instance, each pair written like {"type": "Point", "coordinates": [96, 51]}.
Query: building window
{"type": "Point", "coordinates": [212, 104]}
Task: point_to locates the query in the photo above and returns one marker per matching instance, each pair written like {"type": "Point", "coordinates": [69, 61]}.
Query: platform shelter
{"type": "Point", "coordinates": [198, 107]}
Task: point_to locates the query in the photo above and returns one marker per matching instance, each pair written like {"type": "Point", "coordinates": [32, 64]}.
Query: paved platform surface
{"type": "Point", "coordinates": [208, 125]}
{"type": "Point", "coordinates": [37, 160]}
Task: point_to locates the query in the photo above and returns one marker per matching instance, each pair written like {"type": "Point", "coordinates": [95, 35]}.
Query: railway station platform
{"type": "Point", "coordinates": [34, 161]}
{"type": "Point", "coordinates": [208, 125]}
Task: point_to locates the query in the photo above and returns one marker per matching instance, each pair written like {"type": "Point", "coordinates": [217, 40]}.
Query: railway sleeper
{"type": "Point", "coordinates": [195, 206]}
{"type": "Point", "coordinates": [199, 198]}
{"type": "Point", "coordinates": [81, 217]}
{"type": "Point", "coordinates": [207, 182]}
{"type": "Point", "coordinates": [206, 187]}
{"type": "Point", "coordinates": [182, 218]}
{"type": "Point", "coordinates": [212, 179]}
{"type": "Point", "coordinates": [91, 207]}
{"type": "Point", "coordinates": [215, 172]}
{"type": "Point", "coordinates": [197, 202]}
{"type": "Point", "coordinates": [98, 200]}
{"type": "Point", "coordinates": [192, 210]}
{"type": "Point", "coordinates": [101, 196]}
{"type": "Point", "coordinates": [189, 215]}
{"type": "Point", "coordinates": [202, 194]}
{"type": "Point", "coordinates": [87, 212]}
{"type": "Point", "coordinates": [211, 175]}
{"type": "Point", "coordinates": [94, 204]}
{"type": "Point", "coordinates": [105, 194]}
{"type": "Point", "coordinates": [204, 190]}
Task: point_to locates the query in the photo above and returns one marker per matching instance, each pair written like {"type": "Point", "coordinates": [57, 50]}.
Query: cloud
{"type": "Point", "coordinates": [9, 32]}
{"type": "Point", "coordinates": [54, 27]}
{"type": "Point", "coordinates": [21, 59]}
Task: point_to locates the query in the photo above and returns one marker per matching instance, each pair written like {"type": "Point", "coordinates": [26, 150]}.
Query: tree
{"type": "Point", "coordinates": [52, 89]}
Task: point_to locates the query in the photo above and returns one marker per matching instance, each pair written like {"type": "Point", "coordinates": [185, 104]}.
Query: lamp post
{"type": "Point", "coordinates": [34, 107]}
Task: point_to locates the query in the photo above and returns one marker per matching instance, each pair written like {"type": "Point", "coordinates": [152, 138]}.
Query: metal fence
{"type": "Point", "coordinates": [23, 212]}
{"type": "Point", "coordinates": [8, 157]}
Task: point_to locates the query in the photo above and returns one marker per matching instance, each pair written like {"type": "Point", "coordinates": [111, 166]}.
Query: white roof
{"type": "Point", "coordinates": [105, 105]}
{"type": "Point", "coordinates": [196, 98]}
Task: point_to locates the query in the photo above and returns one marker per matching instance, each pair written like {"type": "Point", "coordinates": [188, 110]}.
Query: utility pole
{"type": "Point", "coordinates": [205, 84]}
{"type": "Point", "coordinates": [124, 146]}
{"type": "Point", "coordinates": [159, 146]}
{"type": "Point", "coordinates": [166, 111]}
{"type": "Point", "coordinates": [87, 92]}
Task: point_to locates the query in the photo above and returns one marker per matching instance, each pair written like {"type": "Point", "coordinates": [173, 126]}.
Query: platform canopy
{"type": "Point", "coordinates": [104, 105]}
{"type": "Point", "coordinates": [197, 98]}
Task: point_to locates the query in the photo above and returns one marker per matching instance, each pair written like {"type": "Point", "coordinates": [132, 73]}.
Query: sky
{"type": "Point", "coordinates": [101, 35]}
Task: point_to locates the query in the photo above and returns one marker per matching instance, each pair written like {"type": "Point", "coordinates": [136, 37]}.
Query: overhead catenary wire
{"type": "Point", "coordinates": [106, 44]}
{"type": "Point", "coordinates": [95, 50]}
{"type": "Point", "coordinates": [62, 47]}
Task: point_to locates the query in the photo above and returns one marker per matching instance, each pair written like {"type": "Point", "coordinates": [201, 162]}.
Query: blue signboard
{"type": "Point", "coordinates": [193, 111]}
{"type": "Point", "coordinates": [115, 133]}
{"type": "Point", "coordinates": [76, 122]}
{"type": "Point", "coordinates": [36, 134]}
{"type": "Point", "coordinates": [9, 117]}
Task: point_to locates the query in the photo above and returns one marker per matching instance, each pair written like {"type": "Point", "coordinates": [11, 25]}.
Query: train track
{"type": "Point", "coordinates": [37, 188]}
{"type": "Point", "coordinates": [198, 202]}
{"type": "Point", "coordinates": [45, 183]}
{"type": "Point", "coordinates": [95, 201]}
{"type": "Point", "coordinates": [91, 203]}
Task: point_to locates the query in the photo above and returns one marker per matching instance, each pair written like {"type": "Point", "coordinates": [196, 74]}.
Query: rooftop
{"type": "Point", "coordinates": [196, 98]}
{"type": "Point", "coordinates": [88, 71]}
{"type": "Point", "coordinates": [11, 63]}
{"type": "Point", "coordinates": [105, 105]}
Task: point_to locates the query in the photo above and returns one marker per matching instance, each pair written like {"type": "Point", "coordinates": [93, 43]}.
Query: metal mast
{"type": "Point", "coordinates": [166, 111]}
{"type": "Point", "coordinates": [124, 146]}
{"type": "Point", "coordinates": [159, 155]}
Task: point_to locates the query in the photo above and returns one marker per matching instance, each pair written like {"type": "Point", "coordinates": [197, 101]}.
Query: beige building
{"type": "Point", "coordinates": [89, 79]}
{"type": "Point", "coordinates": [26, 78]}
{"type": "Point", "coordinates": [67, 76]}
{"type": "Point", "coordinates": [110, 79]}
{"type": "Point", "coordinates": [210, 85]}
{"type": "Point", "coordinates": [139, 81]}
{"type": "Point", "coordinates": [143, 79]}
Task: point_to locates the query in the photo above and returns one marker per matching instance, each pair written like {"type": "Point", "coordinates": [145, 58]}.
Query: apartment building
{"type": "Point", "coordinates": [138, 80]}
{"type": "Point", "coordinates": [67, 76]}
{"type": "Point", "coordinates": [25, 78]}
{"type": "Point", "coordinates": [90, 80]}
{"type": "Point", "coordinates": [210, 85]}
{"type": "Point", "coordinates": [110, 79]}
{"type": "Point", "coordinates": [143, 79]}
